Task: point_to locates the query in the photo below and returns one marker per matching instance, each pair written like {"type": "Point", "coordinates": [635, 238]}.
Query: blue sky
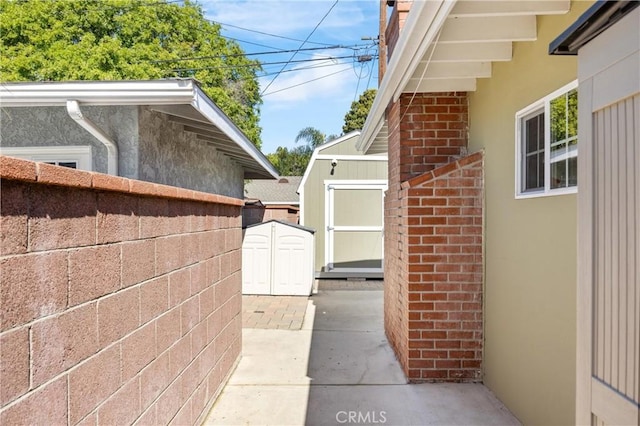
{"type": "Point", "coordinates": [291, 101]}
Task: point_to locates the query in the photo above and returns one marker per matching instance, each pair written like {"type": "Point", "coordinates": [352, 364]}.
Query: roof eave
{"type": "Point", "coordinates": [421, 27]}
{"type": "Point", "coordinates": [154, 92]}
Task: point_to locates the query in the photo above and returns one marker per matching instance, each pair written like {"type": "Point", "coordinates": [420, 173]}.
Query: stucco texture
{"type": "Point", "coordinates": [52, 126]}
{"type": "Point", "coordinates": [530, 280]}
{"type": "Point", "coordinates": [171, 156]}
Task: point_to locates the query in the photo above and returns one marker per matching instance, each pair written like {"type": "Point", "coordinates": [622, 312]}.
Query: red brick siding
{"type": "Point", "coordinates": [433, 239]}
{"type": "Point", "coordinates": [395, 24]}
{"type": "Point", "coordinates": [120, 300]}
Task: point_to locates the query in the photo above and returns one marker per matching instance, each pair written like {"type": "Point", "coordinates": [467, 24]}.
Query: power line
{"type": "Point", "coordinates": [265, 64]}
{"type": "Point", "coordinates": [264, 33]}
{"type": "Point", "coordinates": [274, 52]}
{"type": "Point", "coordinates": [294, 54]}
{"type": "Point", "coordinates": [306, 82]}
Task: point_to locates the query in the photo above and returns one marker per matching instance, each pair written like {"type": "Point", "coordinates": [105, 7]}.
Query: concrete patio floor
{"type": "Point", "coordinates": [339, 369]}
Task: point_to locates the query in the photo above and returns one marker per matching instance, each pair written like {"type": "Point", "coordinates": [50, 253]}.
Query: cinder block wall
{"type": "Point", "coordinates": [433, 243]}
{"type": "Point", "coordinates": [119, 299]}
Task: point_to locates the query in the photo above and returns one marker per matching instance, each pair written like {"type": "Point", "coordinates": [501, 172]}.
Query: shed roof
{"type": "Point", "coordinates": [282, 191]}
{"type": "Point", "coordinates": [182, 99]}
{"type": "Point", "coordinates": [281, 222]}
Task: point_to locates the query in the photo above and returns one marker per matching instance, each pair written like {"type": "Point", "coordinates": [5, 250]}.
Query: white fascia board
{"type": "Point", "coordinates": [207, 108]}
{"type": "Point", "coordinates": [155, 92]}
{"type": "Point", "coordinates": [315, 154]}
{"type": "Point", "coordinates": [423, 23]}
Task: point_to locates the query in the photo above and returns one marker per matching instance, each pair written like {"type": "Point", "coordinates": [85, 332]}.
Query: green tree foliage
{"type": "Point", "coordinates": [45, 40]}
{"type": "Point", "coordinates": [293, 162]}
{"type": "Point", "coordinates": [357, 115]}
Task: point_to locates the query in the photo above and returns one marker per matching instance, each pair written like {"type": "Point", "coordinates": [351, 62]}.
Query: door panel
{"type": "Point", "coordinates": [256, 263]}
{"type": "Point", "coordinates": [355, 226]}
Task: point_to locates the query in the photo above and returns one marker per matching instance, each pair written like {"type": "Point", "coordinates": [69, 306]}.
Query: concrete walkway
{"type": "Point", "coordinates": [339, 369]}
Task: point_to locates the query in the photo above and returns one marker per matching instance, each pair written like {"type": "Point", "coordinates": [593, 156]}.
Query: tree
{"type": "Point", "coordinates": [357, 115]}
{"type": "Point", "coordinates": [293, 162]}
{"type": "Point", "coordinates": [45, 40]}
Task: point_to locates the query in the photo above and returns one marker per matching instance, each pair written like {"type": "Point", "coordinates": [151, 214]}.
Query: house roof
{"type": "Point", "coordinates": [445, 46]}
{"type": "Point", "coordinates": [595, 20]}
{"type": "Point", "coordinates": [282, 191]}
{"type": "Point", "coordinates": [182, 99]}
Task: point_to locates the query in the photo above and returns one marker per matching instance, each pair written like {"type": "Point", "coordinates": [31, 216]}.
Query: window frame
{"type": "Point", "coordinates": [80, 154]}
{"type": "Point", "coordinates": [541, 105]}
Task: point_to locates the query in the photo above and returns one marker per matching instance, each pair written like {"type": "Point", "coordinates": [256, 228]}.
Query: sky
{"type": "Point", "coordinates": [317, 87]}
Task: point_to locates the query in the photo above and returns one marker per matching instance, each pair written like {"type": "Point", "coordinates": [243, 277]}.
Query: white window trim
{"type": "Point", "coordinates": [540, 104]}
{"type": "Point", "coordinates": [81, 155]}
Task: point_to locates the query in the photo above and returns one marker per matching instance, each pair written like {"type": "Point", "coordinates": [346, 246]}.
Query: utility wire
{"type": "Point", "coordinates": [306, 82]}
{"type": "Point", "coordinates": [274, 52]}
{"type": "Point", "coordinates": [303, 43]}
{"type": "Point", "coordinates": [264, 33]}
{"type": "Point", "coordinates": [266, 64]}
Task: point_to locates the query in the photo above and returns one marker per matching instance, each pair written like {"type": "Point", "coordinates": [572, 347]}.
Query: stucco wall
{"type": "Point", "coordinates": [530, 281]}
{"type": "Point", "coordinates": [314, 193]}
{"type": "Point", "coordinates": [52, 126]}
{"type": "Point", "coordinates": [171, 156]}
{"type": "Point", "coordinates": [119, 299]}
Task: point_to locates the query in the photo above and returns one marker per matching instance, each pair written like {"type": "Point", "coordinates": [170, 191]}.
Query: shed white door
{"type": "Point", "coordinates": [277, 259]}
{"type": "Point", "coordinates": [256, 260]}
{"type": "Point", "coordinates": [608, 346]}
{"type": "Point", "coordinates": [355, 224]}
{"type": "Point", "coordinates": [292, 263]}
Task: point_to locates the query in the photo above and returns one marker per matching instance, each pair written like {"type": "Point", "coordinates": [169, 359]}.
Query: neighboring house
{"type": "Point", "coordinates": [481, 249]}
{"type": "Point", "coordinates": [163, 131]}
{"type": "Point", "coordinates": [271, 200]}
{"type": "Point", "coordinates": [341, 197]}
{"type": "Point", "coordinates": [120, 297]}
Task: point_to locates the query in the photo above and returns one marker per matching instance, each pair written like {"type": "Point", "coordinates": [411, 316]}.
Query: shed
{"type": "Point", "coordinates": [341, 195]}
{"type": "Point", "coordinates": [277, 259]}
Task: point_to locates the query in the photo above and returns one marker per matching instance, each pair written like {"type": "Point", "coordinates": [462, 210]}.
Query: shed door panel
{"type": "Point", "coordinates": [256, 261]}
{"type": "Point", "coordinates": [616, 275]}
{"type": "Point", "coordinates": [608, 309]}
{"type": "Point", "coordinates": [292, 263]}
{"type": "Point", "coordinates": [355, 227]}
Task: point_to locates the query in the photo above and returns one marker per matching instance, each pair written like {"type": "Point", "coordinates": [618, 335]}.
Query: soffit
{"type": "Point", "coordinates": [448, 46]}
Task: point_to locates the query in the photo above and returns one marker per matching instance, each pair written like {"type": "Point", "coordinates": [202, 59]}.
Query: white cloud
{"type": "Point", "coordinates": [291, 18]}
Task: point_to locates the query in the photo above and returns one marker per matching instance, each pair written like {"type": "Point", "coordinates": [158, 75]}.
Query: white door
{"type": "Point", "coordinates": [292, 262]}
{"type": "Point", "coordinates": [256, 260]}
{"type": "Point", "coordinates": [355, 224]}
{"type": "Point", "coordinates": [608, 345]}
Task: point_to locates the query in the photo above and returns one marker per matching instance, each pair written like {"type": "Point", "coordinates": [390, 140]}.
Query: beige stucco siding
{"type": "Point", "coordinates": [530, 280]}
{"type": "Point", "coordinates": [314, 193]}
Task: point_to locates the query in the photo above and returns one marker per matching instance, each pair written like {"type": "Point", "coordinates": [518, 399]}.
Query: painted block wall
{"type": "Point", "coordinates": [531, 252]}
{"type": "Point", "coordinates": [120, 299]}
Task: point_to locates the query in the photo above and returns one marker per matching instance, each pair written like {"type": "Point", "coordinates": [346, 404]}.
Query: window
{"type": "Point", "coordinates": [76, 157]}
{"type": "Point", "coordinates": [547, 145]}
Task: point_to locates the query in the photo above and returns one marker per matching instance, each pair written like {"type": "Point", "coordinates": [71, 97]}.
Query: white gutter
{"type": "Point", "coordinates": [423, 23]}
{"type": "Point", "coordinates": [73, 109]}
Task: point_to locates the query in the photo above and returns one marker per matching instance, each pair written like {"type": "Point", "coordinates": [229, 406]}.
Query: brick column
{"type": "Point", "coordinates": [433, 239]}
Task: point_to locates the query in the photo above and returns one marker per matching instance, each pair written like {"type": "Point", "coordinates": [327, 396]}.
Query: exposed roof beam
{"type": "Point", "coordinates": [497, 28]}
{"type": "Point", "coordinates": [466, 8]}
{"type": "Point", "coordinates": [209, 128]}
{"type": "Point", "coordinates": [453, 70]}
{"type": "Point", "coordinates": [476, 52]}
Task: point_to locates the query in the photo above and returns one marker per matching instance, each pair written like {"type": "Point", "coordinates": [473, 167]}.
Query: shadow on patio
{"type": "Point", "coordinates": [339, 369]}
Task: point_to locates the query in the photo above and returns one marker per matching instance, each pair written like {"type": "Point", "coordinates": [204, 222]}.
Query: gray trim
{"type": "Point", "coordinates": [594, 21]}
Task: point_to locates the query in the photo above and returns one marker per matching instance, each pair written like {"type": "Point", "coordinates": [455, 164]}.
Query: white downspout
{"type": "Point", "coordinates": [73, 108]}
